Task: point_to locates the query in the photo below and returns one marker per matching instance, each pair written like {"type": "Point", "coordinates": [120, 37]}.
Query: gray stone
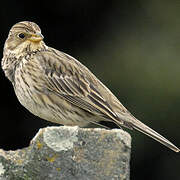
{"type": "Point", "coordinates": [70, 153]}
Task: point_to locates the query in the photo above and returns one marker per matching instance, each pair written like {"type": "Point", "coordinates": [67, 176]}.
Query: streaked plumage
{"type": "Point", "coordinates": [58, 88]}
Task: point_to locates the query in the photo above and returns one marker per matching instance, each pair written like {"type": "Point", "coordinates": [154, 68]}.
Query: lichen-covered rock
{"type": "Point", "coordinates": [70, 153]}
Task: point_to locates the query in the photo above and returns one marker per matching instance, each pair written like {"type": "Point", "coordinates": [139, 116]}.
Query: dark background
{"type": "Point", "coordinates": [132, 46]}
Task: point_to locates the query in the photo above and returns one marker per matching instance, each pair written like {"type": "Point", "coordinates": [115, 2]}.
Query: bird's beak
{"type": "Point", "coordinates": [36, 37]}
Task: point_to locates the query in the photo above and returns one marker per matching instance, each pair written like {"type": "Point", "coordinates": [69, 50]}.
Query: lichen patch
{"type": "Point", "coordinates": [60, 140]}
{"type": "Point", "coordinates": [2, 170]}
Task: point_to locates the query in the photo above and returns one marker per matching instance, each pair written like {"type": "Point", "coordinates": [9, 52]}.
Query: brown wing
{"type": "Point", "coordinates": [72, 81]}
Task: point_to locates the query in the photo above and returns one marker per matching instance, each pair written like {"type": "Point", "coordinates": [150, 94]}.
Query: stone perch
{"type": "Point", "coordinates": [70, 153]}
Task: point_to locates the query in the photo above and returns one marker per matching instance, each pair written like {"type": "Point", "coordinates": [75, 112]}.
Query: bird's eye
{"type": "Point", "coordinates": [21, 35]}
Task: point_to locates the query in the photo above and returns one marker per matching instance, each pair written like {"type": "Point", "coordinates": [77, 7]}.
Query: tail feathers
{"type": "Point", "coordinates": [136, 124]}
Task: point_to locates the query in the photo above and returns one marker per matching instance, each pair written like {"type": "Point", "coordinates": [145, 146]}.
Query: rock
{"type": "Point", "coordinates": [70, 153]}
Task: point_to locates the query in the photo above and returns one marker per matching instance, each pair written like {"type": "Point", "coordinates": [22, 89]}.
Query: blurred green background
{"type": "Point", "coordinates": [133, 47]}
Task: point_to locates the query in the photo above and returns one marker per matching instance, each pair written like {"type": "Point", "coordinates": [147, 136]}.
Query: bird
{"type": "Point", "coordinates": [58, 88]}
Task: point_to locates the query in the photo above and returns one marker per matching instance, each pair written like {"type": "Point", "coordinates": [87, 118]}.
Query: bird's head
{"type": "Point", "coordinates": [24, 37]}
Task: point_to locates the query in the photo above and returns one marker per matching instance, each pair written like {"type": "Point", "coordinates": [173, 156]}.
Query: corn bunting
{"type": "Point", "coordinates": [56, 87]}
